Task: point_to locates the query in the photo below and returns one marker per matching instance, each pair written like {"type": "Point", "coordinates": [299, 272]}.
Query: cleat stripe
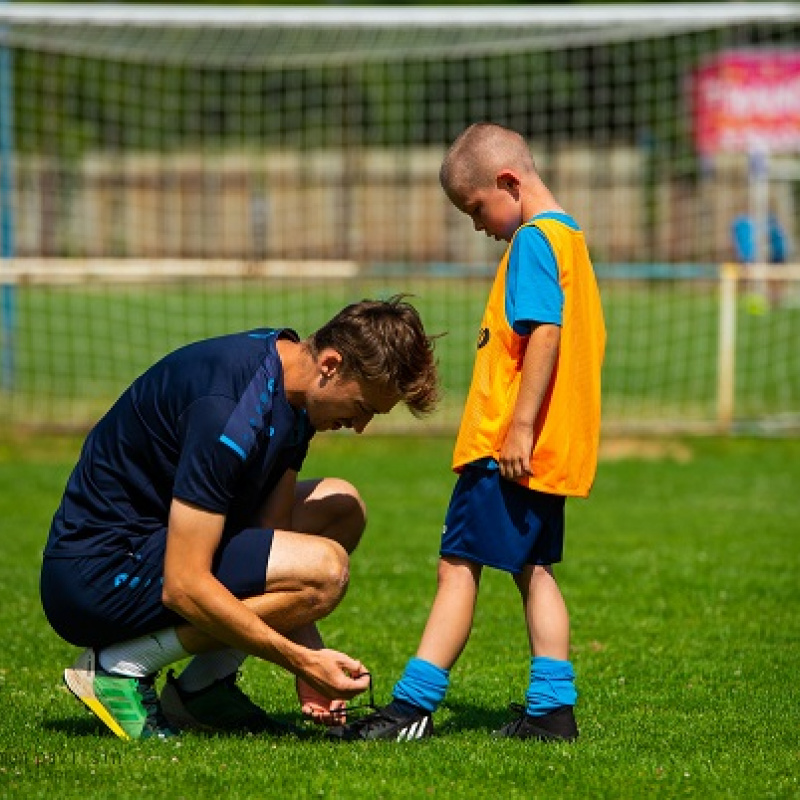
{"type": "Point", "coordinates": [414, 731]}
{"type": "Point", "coordinates": [97, 708]}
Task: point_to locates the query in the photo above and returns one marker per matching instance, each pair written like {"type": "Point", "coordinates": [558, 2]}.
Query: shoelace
{"type": "Point", "coordinates": [150, 703]}
{"type": "Point", "coordinates": [149, 697]}
{"type": "Point", "coordinates": [370, 704]}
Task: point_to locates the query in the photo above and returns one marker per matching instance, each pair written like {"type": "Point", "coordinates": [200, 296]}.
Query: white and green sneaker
{"type": "Point", "coordinates": [129, 707]}
{"type": "Point", "coordinates": [221, 707]}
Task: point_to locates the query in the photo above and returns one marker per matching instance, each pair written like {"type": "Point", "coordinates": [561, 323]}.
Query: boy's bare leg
{"type": "Point", "coordinates": [450, 620]}
{"type": "Point", "coordinates": [551, 692]}
{"type": "Point", "coordinates": [546, 613]}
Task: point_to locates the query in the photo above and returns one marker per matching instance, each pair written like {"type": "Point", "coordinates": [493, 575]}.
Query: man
{"type": "Point", "coordinates": [183, 529]}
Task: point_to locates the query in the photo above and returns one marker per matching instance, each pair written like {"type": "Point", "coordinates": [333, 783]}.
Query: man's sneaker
{"type": "Point", "coordinates": [222, 707]}
{"type": "Point", "coordinates": [556, 725]}
{"type": "Point", "coordinates": [389, 722]}
{"type": "Point", "coordinates": [128, 706]}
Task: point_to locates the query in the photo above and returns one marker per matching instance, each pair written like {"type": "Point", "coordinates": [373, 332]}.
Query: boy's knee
{"type": "Point", "coordinates": [455, 571]}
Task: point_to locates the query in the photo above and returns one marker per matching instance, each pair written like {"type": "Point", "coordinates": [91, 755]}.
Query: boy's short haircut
{"type": "Point", "coordinates": [479, 152]}
{"type": "Point", "coordinates": [384, 342]}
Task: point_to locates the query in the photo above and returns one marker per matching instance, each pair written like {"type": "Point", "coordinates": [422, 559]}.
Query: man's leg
{"type": "Point", "coordinates": [90, 601]}
{"type": "Point", "coordinates": [306, 578]}
{"type": "Point", "coordinates": [127, 705]}
{"type": "Point", "coordinates": [330, 507]}
{"type": "Point", "coordinates": [303, 579]}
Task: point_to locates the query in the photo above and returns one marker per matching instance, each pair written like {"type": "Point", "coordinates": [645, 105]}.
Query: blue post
{"type": "Point", "coordinates": [7, 291]}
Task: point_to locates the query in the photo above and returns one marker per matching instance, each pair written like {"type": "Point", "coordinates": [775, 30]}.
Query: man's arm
{"type": "Point", "coordinates": [537, 370]}
{"type": "Point", "coordinates": [191, 590]}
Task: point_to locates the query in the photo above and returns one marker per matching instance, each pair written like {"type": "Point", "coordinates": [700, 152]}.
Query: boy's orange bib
{"type": "Point", "coordinates": [567, 430]}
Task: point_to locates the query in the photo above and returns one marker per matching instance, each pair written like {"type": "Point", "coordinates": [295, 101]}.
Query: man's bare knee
{"type": "Point", "coordinates": [331, 576]}
{"type": "Point", "coordinates": [334, 509]}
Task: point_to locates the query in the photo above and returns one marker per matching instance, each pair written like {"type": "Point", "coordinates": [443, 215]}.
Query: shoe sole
{"type": "Point", "coordinates": [79, 679]}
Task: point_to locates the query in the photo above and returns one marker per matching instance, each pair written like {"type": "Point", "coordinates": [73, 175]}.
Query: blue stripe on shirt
{"type": "Point", "coordinates": [233, 446]}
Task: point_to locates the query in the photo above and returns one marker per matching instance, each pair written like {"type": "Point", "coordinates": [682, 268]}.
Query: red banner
{"type": "Point", "coordinates": [747, 101]}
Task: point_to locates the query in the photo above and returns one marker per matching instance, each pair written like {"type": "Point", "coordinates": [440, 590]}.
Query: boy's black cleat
{"type": "Point", "coordinates": [390, 722]}
{"type": "Point", "coordinates": [555, 726]}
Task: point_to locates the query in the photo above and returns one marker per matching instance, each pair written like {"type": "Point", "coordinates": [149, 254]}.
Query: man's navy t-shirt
{"type": "Point", "coordinates": [209, 424]}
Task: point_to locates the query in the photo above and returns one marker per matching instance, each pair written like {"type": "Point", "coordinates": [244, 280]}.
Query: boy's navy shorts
{"type": "Point", "coordinates": [94, 601]}
{"type": "Point", "coordinates": [501, 524]}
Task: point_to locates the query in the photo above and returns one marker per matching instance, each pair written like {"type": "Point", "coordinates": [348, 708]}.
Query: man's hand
{"type": "Point", "coordinates": [318, 708]}
{"type": "Point", "coordinates": [334, 675]}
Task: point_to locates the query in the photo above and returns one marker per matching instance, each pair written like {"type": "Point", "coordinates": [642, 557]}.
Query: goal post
{"type": "Point", "coordinates": [173, 172]}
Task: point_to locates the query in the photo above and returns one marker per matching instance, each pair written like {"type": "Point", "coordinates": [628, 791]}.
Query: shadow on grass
{"type": "Point", "coordinates": [469, 717]}
{"type": "Point", "coordinates": [79, 725]}
{"type": "Point", "coordinates": [458, 717]}
{"type": "Point", "coordinates": [87, 726]}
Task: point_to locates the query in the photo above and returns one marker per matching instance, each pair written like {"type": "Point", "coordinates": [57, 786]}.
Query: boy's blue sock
{"type": "Point", "coordinates": [552, 684]}
{"type": "Point", "coordinates": [422, 685]}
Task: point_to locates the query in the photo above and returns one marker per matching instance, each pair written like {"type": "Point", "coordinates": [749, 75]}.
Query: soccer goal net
{"type": "Point", "coordinates": [171, 173]}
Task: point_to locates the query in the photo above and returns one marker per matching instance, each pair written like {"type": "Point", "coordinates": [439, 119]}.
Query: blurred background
{"type": "Point", "coordinates": [173, 172]}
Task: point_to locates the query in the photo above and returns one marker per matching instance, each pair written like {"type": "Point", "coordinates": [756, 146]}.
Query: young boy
{"type": "Point", "coordinates": [528, 439]}
{"type": "Point", "coordinates": [184, 530]}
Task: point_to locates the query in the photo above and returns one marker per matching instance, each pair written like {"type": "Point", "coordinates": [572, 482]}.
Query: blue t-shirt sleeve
{"type": "Point", "coordinates": [533, 293]}
{"type": "Point", "coordinates": [208, 469]}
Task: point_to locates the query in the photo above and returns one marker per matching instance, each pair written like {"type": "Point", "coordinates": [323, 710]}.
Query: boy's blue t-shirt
{"type": "Point", "coordinates": [209, 424]}
{"type": "Point", "coordinates": [533, 293]}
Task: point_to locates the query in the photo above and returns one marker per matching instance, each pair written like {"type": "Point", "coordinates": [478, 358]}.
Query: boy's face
{"type": "Point", "coordinates": [494, 209]}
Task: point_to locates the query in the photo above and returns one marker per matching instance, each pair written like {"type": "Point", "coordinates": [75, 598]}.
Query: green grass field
{"type": "Point", "coordinates": [682, 573]}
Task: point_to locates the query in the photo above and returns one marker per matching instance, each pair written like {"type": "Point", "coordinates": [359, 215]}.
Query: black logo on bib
{"type": "Point", "coordinates": [483, 337]}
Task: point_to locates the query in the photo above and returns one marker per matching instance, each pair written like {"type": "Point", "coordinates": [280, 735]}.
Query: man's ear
{"type": "Point", "coordinates": [329, 362]}
{"type": "Point", "coordinates": [508, 181]}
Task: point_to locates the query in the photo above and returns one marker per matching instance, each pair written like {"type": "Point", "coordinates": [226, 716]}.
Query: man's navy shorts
{"type": "Point", "coordinates": [98, 600]}
{"type": "Point", "coordinates": [501, 524]}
